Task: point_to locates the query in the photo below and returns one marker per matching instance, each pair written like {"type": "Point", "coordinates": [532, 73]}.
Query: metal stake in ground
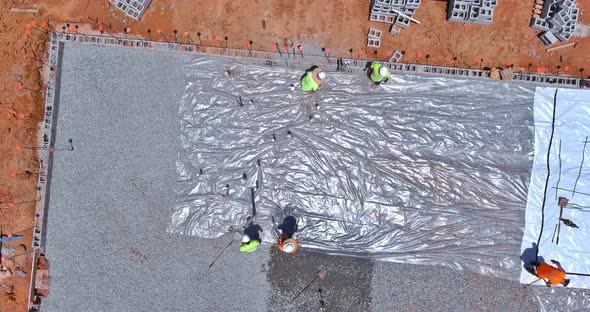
{"type": "Point", "coordinates": [325, 54]}
{"type": "Point", "coordinates": [159, 31]}
{"type": "Point", "coordinates": [276, 46]}
{"type": "Point", "coordinates": [321, 275]}
{"type": "Point", "coordinates": [322, 303]}
{"type": "Point", "coordinates": [253, 201]}
{"type": "Point", "coordinates": [221, 253]}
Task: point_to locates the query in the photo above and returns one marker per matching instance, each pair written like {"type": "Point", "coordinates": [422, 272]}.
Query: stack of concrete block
{"type": "Point", "coordinates": [472, 11]}
{"type": "Point", "coordinates": [395, 12]}
{"type": "Point", "coordinates": [374, 38]}
{"type": "Point", "coordinates": [557, 19]}
{"type": "Point", "coordinates": [132, 8]}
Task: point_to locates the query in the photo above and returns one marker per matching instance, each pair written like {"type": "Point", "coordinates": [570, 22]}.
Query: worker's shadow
{"type": "Point", "coordinates": [369, 69]}
{"type": "Point", "coordinates": [529, 258]}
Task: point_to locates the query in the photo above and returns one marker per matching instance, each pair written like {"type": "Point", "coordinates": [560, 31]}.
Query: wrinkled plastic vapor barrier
{"type": "Point", "coordinates": [422, 170]}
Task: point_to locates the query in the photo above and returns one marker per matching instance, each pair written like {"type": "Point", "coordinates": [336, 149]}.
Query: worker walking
{"type": "Point", "coordinates": [287, 241]}
{"type": "Point", "coordinates": [378, 74]}
{"type": "Point", "coordinates": [251, 239]}
{"type": "Point", "coordinates": [313, 79]}
{"type": "Point", "coordinates": [550, 274]}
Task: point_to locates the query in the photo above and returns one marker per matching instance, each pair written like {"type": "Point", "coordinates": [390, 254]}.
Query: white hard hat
{"type": "Point", "coordinates": [245, 238]}
{"type": "Point", "coordinates": [322, 75]}
{"type": "Point", "coordinates": [288, 247]}
{"type": "Point", "coordinates": [383, 71]}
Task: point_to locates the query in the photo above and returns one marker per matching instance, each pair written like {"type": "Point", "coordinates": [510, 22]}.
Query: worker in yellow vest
{"type": "Point", "coordinates": [251, 239]}
{"type": "Point", "coordinates": [313, 79]}
{"type": "Point", "coordinates": [378, 74]}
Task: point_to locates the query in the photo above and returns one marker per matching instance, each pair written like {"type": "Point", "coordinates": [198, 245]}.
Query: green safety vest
{"type": "Point", "coordinates": [251, 246]}
{"type": "Point", "coordinates": [308, 84]}
{"type": "Point", "coordinates": [375, 76]}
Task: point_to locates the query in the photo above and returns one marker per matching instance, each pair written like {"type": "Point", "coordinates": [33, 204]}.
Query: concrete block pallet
{"type": "Point", "coordinates": [472, 11]}
{"type": "Point", "coordinates": [557, 20]}
{"type": "Point", "coordinates": [398, 13]}
{"type": "Point", "coordinates": [132, 8]}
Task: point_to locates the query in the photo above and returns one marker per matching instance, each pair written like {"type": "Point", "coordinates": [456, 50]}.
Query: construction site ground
{"type": "Point", "coordinates": [337, 25]}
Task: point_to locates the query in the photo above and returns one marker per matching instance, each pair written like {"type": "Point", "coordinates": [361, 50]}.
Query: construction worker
{"type": "Point", "coordinates": [251, 239]}
{"type": "Point", "coordinates": [378, 74]}
{"type": "Point", "coordinates": [287, 241]}
{"type": "Point", "coordinates": [550, 274]}
{"type": "Point", "coordinates": [313, 79]}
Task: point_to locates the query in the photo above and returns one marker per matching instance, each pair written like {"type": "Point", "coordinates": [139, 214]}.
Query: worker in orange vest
{"type": "Point", "coordinates": [550, 274]}
{"type": "Point", "coordinates": [287, 241]}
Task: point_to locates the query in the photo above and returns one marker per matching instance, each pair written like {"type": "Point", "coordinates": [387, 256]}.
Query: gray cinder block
{"type": "Point", "coordinates": [563, 36]}
{"type": "Point", "coordinates": [540, 24]}
{"type": "Point", "coordinates": [548, 38]}
{"type": "Point", "coordinates": [404, 22]}
{"type": "Point", "coordinates": [373, 43]}
{"type": "Point", "coordinates": [375, 33]}
{"type": "Point", "coordinates": [396, 56]}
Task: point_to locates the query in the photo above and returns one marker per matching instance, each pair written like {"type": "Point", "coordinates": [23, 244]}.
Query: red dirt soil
{"type": "Point", "coordinates": [336, 24]}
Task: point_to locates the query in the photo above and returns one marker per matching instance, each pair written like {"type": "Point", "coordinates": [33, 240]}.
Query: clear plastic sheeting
{"type": "Point", "coordinates": [558, 299]}
{"type": "Point", "coordinates": [422, 170]}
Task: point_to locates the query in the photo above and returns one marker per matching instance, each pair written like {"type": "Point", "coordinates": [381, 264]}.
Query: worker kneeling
{"type": "Point", "coordinates": [378, 74]}
{"type": "Point", "coordinates": [550, 274]}
{"type": "Point", "coordinates": [287, 241]}
{"type": "Point", "coordinates": [251, 239]}
{"type": "Point", "coordinates": [313, 79]}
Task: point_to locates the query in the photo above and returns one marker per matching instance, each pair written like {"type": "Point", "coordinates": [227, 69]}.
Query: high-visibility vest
{"type": "Point", "coordinates": [375, 75]}
{"type": "Point", "coordinates": [250, 247]}
{"type": "Point", "coordinates": [553, 274]}
{"type": "Point", "coordinates": [308, 84]}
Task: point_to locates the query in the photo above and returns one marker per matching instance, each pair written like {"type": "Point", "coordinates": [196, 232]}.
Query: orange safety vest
{"type": "Point", "coordinates": [554, 275]}
{"type": "Point", "coordinates": [281, 242]}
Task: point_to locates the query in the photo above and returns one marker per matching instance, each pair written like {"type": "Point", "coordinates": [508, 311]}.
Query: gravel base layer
{"type": "Point", "coordinates": [111, 200]}
{"type": "Point", "coordinates": [405, 287]}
